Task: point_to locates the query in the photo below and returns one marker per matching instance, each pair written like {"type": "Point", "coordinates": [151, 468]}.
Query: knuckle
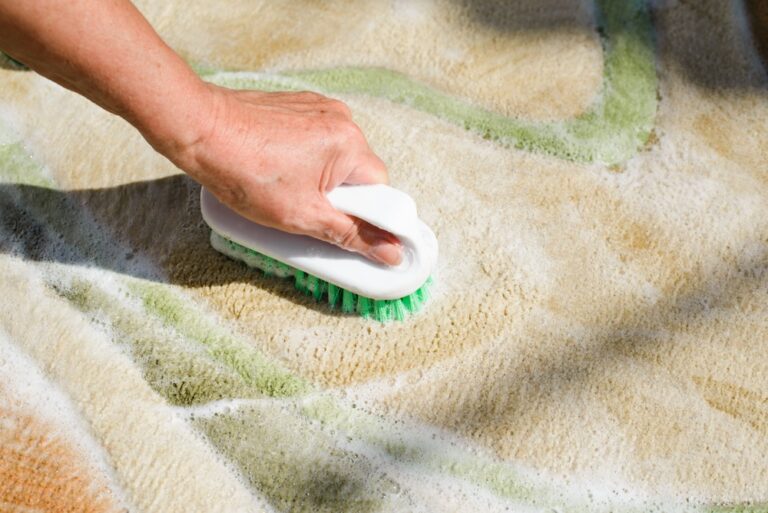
{"type": "Point", "coordinates": [348, 132]}
{"type": "Point", "coordinates": [307, 218]}
{"type": "Point", "coordinates": [344, 237]}
{"type": "Point", "coordinates": [340, 107]}
{"type": "Point", "coordinates": [349, 235]}
{"type": "Point", "coordinates": [378, 164]}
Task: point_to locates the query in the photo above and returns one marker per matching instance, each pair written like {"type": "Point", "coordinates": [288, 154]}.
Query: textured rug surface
{"type": "Point", "coordinates": [596, 172]}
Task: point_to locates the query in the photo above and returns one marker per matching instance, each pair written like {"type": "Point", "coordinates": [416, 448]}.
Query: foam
{"type": "Point", "coordinates": [598, 329]}
{"type": "Point", "coordinates": [23, 381]}
{"type": "Point", "coordinates": [119, 412]}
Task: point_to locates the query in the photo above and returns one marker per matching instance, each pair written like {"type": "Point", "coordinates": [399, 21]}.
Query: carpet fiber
{"type": "Point", "coordinates": [595, 172]}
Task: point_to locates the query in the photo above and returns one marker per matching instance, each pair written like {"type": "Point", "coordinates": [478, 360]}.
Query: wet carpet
{"type": "Point", "coordinates": [597, 339]}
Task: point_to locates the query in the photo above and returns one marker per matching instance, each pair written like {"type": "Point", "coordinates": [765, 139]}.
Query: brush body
{"type": "Point", "coordinates": [328, 272]}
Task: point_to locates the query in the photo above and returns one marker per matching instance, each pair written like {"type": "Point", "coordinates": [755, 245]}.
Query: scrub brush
{"type": "Point", "coordinates": [343, 279]}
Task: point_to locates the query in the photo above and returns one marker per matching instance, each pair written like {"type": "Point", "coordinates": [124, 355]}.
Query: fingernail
{"type": "Point", "coordinates": [387, 253]}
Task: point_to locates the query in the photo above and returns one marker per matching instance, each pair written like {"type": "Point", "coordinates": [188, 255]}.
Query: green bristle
{"type": "Point", "coordinates": [300, 282]}
{"type": "Point", "coordinates": [333, 294]}
{"type": "Point", "coordinates": [415, 305]}
{"type": "Point", "coordinates": [283, 269]}
{"type": "Point", "coordinates": [381, 310]}
{"type": "Point", "coordinates": [268, 265]}
{"type": "Point", "coordinates": [364, 306]}
{"type": "Point", "coordinates": [276, 267]}
{"type": "Point", "coordinates": [265, 265]}
{"type": "Point", "coordinates": [407, 302]}
{"type": "Point", "coordinates": [391, 309]}
{"type": "Point", "coordinates": [316, 286]}
{"type": "Point", "coordinates": [421, 295]}
{"type": "Point", "coordinates": [398, 309]}
{"type": "Point", "coordinates": [348, 301]}
{"type": "Point", "coordinates": [322, 290]}
{"type": "Point", "coordinates": [311, 283]}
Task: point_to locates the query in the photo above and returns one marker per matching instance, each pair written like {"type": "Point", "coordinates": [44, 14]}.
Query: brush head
{"type": "Point", "coordinates": [383, 310]}
{"type": "Point", "coordinates": [380, 205]}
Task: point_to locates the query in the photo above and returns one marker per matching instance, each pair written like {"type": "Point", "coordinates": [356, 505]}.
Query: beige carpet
{"type": "Point", "coordinates": [596, 173]}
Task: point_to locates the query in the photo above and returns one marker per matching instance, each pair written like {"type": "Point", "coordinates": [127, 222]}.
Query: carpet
{"type": "Point", "coordinates": [597, 339]}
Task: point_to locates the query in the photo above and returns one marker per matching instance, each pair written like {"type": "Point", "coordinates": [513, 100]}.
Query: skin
{"type": "Point", "coordinates": [269, 156]}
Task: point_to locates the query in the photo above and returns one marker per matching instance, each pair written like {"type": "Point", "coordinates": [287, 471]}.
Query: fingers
{"type": "Point", "coordinates": [314, 145]}
{"type": "Point", "coordinates": [356, 235]}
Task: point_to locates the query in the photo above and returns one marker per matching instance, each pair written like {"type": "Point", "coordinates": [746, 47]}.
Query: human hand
{"type": "Point", "coordinates": [271, 157]}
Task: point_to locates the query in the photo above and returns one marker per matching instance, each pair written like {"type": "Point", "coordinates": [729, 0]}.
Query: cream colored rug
{"type": "Point", "coordinates": [597, 175]}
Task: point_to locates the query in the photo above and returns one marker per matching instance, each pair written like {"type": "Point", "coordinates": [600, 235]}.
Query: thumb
{"type": "Point", "coordinates": [354, 234]}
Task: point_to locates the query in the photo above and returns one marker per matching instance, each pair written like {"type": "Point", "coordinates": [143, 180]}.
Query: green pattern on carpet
{"type": "Point", "coordinates": [306, 449]}
{"type": "Point", "coordinates": [617, 125]}
{"type": "Point", "coordinates": [232, 433]}
{"type": "Point", "coordinates": [300, 468]}
{"type": "Point", "coordinates": [178, 369]}
{"type": "Point", "coordinates": [250, 364]}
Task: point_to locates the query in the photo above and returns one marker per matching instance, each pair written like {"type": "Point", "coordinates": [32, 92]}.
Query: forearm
{"type": "Point", "coordinates": [270, 156]}
{"type": "Point", "coordinates": [106, 51]}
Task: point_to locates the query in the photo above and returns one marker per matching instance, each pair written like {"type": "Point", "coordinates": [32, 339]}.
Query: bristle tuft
{"type": "Point", "coordinates": [300, 281]}
{"type": "Point", "coordinates": [399, 310]}
{"type": "Point", "coordinates": [333, 294]}
{"type": "Point", "coordinates": [364, 306]}
{"type": "Point", "coordinates": [348, 301]}
{"type": "Point", "coordinates": [383, 310]}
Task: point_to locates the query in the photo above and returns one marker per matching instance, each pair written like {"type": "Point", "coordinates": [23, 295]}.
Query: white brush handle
{"type": "Point", "coordinates": [380, 205]}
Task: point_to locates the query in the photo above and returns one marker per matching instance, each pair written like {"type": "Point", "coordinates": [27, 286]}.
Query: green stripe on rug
{"type": "Point", "coordinates": [19, 168]}
{"type": "Point", "coordinates": [617, 125]}
{"type": "Point", "coordinates": [297, 466]}
{"type": "Point", "coordinates": [182, 372]}
{"type": "Point", "coordinates": [190, 321]}
{"type": "Point", "coordinates": [37, 195]}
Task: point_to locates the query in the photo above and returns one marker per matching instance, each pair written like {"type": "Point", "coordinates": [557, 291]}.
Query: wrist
{"type": "Point", "coordinates": [178, 117]}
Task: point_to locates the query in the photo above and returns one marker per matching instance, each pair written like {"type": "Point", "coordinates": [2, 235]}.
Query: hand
{"type": "Point", "coordinates": [271, 157]}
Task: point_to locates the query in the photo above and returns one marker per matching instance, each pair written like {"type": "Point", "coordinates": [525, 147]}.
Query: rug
{"type": "Point", "coordinates": [597, 337]}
